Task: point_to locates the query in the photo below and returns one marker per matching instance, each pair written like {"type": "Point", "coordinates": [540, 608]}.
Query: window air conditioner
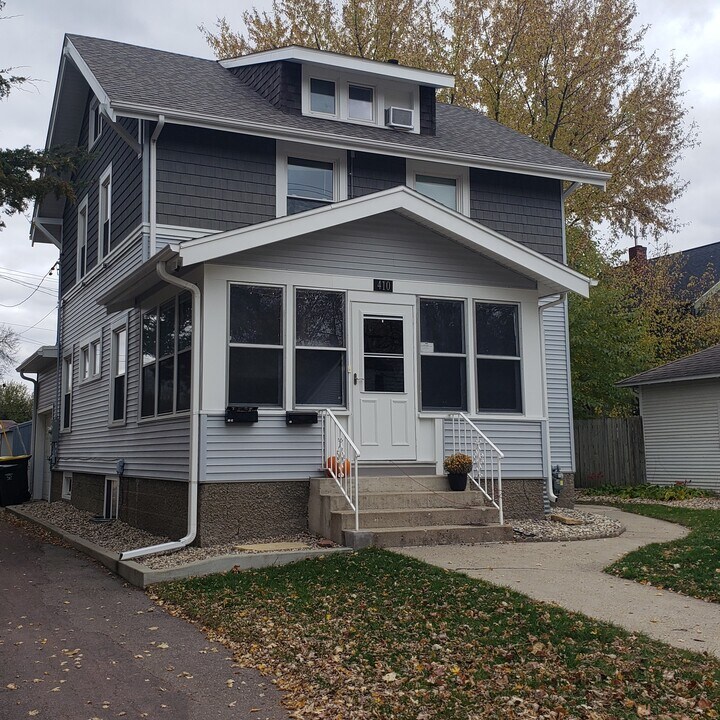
{"type": "Point", "coordinates": [399, 118]}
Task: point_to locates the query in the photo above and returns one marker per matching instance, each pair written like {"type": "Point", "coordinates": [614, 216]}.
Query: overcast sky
{"type": "Point", "coordinates": [32, 40]}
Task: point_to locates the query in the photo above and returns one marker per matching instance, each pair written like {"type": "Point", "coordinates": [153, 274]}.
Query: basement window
{"type": "Point", "coordinates": [111, 504]}
{"type": "Point", "coordinates": [66, 492]}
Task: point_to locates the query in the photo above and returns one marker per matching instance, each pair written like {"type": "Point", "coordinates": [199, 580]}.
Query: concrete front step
{"type": "Point", "coordinates": [400, 500]}
{"type": "Point", "coordinates": [395, 469]}
{"type": "Point", "coordinates": [413, 517]}
{"type": "Point", "coordinates": [375, 484]}
{"type": "Point", "coordinates": [431, 535]}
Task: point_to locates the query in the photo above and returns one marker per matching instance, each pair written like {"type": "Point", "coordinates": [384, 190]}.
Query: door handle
{"type": "Point", "coordinates": [356, 378]}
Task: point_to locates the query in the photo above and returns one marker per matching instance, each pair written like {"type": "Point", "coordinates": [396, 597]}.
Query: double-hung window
{"type": "Point", "coordinates": [91, 358]}
{"type": "Point", "coordinates": [322, 96]}
{"type": "Point", "coordinates": [67, 383]}
{"type": "Point", "coordinates": [320, 348]}
{"type": "Point", "coordinates": [497, 338]}
{"type": "Point", "coordinates": [119, 374]}
{"type": "Point", "coordinates": [95, 123]}
{"type": "Point", "coordinates": [82, 237]}
{"type": "Point", "coordinates": [104, 213]}
{"type": "Point", "coordinates": [255, 360]}
{"type": "Point", "coordinates": [361, 103]}
{"type": "Point", "coordinates": [310, 184]}
{"type": "Point", "coordinates": [166, 352]}
{"type": "Point", "coordinates": [443, 358]}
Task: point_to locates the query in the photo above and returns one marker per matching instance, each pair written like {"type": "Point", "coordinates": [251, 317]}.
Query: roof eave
{"type": "Point", "coordinates": [44, 357]}
{"type": "Point", "coordinates": [630, 382]}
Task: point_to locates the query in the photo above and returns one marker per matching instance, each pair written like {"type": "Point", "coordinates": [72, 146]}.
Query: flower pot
{"type": "Point", "coordinates": [458, 481]}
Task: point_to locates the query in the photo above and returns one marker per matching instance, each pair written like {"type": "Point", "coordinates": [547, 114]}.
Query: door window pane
{"type": "Point", "coordinates": [442, 326]}
{"type": "Point", "coordinates": [443, 383]}
{"type": "Point", "coordinates": [384, 374]}
{"type": "Point", "coordinates": [255, 376]}
{"type": "Point", "coordinates": [383, 336]}
{"type": "Point", "coordinates": [497, 329]}
{"type": "Point", "coordinates": [360, 102]}
{"type": "Point", "coordinates": [255, 315]}
{"type": "Point", "coordinates": [322, 96]}
{"type": "Point", "coordinates": [320, 377]}
{"type": "Point", "coordinates": [441, 189]}
{"type": "Point", "coordinates": [310, 179]}
{"type": "Point", "coordinates": [499, 385]}
{"type": "Point", "coordinates": [320, 318]}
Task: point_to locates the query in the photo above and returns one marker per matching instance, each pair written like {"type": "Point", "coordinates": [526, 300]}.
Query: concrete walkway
{"type": "Point", "coordinates": [78, 642]}
{"type": "Point", "coordinates": [570, 574]}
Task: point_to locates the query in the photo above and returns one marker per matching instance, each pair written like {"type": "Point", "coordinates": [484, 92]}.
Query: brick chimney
{"type": "Point", "coordinates": [638, 253]}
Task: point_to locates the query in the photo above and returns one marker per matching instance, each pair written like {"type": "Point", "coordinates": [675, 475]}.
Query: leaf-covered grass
{"type": "Point", "coordinates": [690, 565]}
{"type": "Point", "coordinates": [664, 493]}
{"type": "Point", "coordinates": [380, 635]}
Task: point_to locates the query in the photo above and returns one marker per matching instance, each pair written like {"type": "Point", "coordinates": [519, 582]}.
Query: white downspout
{"type": "Point", "coordinates": [153, 184]}
{"type": "Point", "coordinates": [546, 435]}
{"type": "Point", "coordinates": [194, 423]}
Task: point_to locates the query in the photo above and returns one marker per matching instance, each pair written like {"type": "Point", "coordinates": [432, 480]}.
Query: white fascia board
{"type": "Point", "coordinates": [381, 147]}
{"type": "Point", "coordinates": [71, 51]}
{"type": "Point", "coordinates": [296, 53]}
{"type": "Point", "coordinates": [644, 383]}
{"type": "Point", "coordinates": [552, 275]}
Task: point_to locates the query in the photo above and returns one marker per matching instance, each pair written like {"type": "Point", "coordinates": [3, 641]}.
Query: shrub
{"type": "Point", "coordinates": [679, 491]}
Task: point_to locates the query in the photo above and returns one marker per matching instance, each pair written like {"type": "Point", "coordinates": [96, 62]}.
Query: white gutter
{"type": "Point", "coordinates": [194, 423]}
{"type": "Point", "coordinates": [153, 183]}
{"type": "Point", "coordinates": [546, 435]}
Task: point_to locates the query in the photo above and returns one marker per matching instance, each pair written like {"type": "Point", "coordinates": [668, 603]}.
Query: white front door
{"type": "Point", "coordinates": [383, 380]}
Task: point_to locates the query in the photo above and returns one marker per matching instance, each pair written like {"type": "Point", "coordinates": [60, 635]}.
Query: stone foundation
{"type": "Point", "coordinates": [523, 499]}
{"type": "Point", "coordinates": [158, 506]}
{"type": "Point", "coordinates": [566, 496]}
{"type": "Point", "coordinates": [88, 491]}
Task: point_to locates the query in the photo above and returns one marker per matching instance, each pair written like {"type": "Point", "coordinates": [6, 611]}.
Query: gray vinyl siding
{"type": "Point", "coordinates": [558, 387]}
{"type": "Point", "coordinates": [519, 440]}
{"type": "Point", "coordinates": [152, 449]}
{"type": "Point", "coordinates": [47, 386]}
{"type": "Point", "coordinates": [126, 195]}
{"type": "Point", "coordinates": [215, 180]}
{"type": "Point", "coordinates": [368, 173]}
{"type": "Point", "coordinates": [428, 110]}
{"type": "Point", "coordinates": [522, 207]}
{"type": "Point", "coordinates": [278, 82]}
{"type": "Point", "coordinates": [386, 245]}
{"type": "Point", "coordinates": [267, 450]}
{"type": "Point", "coordinates": [681, 425]}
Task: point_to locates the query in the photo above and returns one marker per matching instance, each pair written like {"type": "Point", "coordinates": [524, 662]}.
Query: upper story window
{"type": "Point", "coordinates": [82, 236]}
{"type": "Point", "coordinates": [447, 184]}
{"type": "Point", "coordinates": [361, 103]}
{"type": "Point", "coordinates": [91, 358]}
{"type": "Point", "coordinates": [67, 383]}
{"type": "Point", "coordinates": [95, 123]}
{"type": "Point", "coordinates": [441, 189]}
{"type": "Point", "coordinates": [118, 388]}
{"type": "Point", "coordinates": [104, 213]}
{"type": "Point", "coordinates": [322, 96]}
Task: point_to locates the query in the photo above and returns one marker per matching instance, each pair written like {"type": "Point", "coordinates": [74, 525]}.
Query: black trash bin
{"type": "Point", "coordinates": [14, 479]}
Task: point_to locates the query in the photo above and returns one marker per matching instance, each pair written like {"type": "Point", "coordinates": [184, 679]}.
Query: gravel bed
{"type": "Point", "coordinates": [117, 536]}
{"type": "Point", "coordinates": [693, 503]}
{"type": "Point", "coordinates": [594, 526]}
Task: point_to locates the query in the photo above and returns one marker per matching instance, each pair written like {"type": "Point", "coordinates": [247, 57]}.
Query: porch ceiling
{"type": "Point", "coordinates": [552, 277]}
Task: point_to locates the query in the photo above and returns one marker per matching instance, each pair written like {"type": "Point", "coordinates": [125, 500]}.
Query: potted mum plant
{"type": "Point", "coordinates": [457, 467]}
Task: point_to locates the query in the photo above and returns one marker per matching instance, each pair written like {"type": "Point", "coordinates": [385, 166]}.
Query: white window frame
{"type": "Point", "coordinates": [337, 157]}
{"type": "Point", "coordinates": [87, 348]}
{"type": "Point", "coordinates": [93, 137]}
{"type": "Point", "coordinates": [105, 179]}
{"type": "Point", "coordinates": [324, 78]}
{"type": "Point", "coordinates": [67, 382]}
{"type": "Point", "coordinates": [460, 174]}
{"type": "Point", "coordinates": [66, 490]}
{"type": "Point", "coordinates": [375, 109]}
{"type": "Point", "coordinates": [112, 488]}
{"type": "Point", "coordinates": [81, 267]}
{"type": "Point", "coordinates": [116, 328]}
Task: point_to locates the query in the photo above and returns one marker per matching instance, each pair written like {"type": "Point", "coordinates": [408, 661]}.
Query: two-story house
{"type": "Point", "coordinates": [281, 261]}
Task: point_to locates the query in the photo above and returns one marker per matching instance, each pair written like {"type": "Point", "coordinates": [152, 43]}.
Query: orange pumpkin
{"type": "Point", "coordinates": [333, 469]}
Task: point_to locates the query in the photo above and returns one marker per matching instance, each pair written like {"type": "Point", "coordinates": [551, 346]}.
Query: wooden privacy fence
{"type": "Point", "coordinates": [609, 451]}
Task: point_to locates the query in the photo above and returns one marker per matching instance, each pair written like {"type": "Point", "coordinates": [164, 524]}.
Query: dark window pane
{"type": "Point", "coordinates": [497, 329]}
{"type": "Point", "coordinates": [320, 318]}
{"type": "Point", "coordinates": [322, 96]}
{"type": "Point", "coordinates": [360, 102]}
{"type": "Point", "coordinates": [256, 315]}
{"type": "Point", "coordinates": [310, 179]}
{"type": "Point", "coordinates": [441, 189]}
{"type": "Point", "coordinates": [166, 385]}
{"type": "Point", "coordinates": [441, 323]}
{"type": "Point", "coordinates": [383, 336]}
{"type": "Point", "coordinates": [384, 374]}
{"type": "Point", "coordinates": [443, 383]}
{"type": "Point", "coordinates": [119, 397]}
{"type": "Point", "coordinates": [149, 329]}
{"type": "Point", "coordinates": [166, 346]}
{"type": "Point", "coordinates": [66, 410]}
{"type": "Point", "coordinates": [320, 377]}
{"type": "Point", "coordinates": [499, 385]}
{"type": "Point", "coordinates": [148, 391]}
{"type": "Point", "coordinates": [298, 205]}
{"type": "Point", "coordinates": [255, 376]}
{"type": "Point", "coordinates": [184, 321]}
{"type": "Point", "coordinates": [183, 381]}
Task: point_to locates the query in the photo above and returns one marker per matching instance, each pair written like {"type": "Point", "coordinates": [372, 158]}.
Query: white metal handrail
{"type": "Point", "coordinates": [486, 473]}
{"type": "Point", "coordinates": [340, 456]}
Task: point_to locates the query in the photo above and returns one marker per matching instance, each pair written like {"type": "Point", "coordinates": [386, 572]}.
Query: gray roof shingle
{"type": "Point", "coordinates": [703, 364]}
{"type": "Point", "coordinates": [182, 84]}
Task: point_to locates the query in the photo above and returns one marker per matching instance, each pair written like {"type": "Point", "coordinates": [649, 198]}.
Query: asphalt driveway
{"type": "Point", "coordinates": [76, 642]}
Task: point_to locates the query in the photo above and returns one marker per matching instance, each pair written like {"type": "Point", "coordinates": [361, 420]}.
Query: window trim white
{"type": "Point", "coordinates": [112, 483]}
{"type": "Point", "coordinates": [87, 345]}
{"type": "Point", "coordinates": [67, 383]}
{"type": "Point", "coordinates": [375, 110]}
{"type": "Point", "coordinates": [335, 156]}
{"type": "Point", "coordinates": [66, 489]}
{"type": "Point", "coordinates": [81, 270]}
{"type": "Point", "coordinates": [106, 177]}
{"type": "Point", "coordinates": [118, 326]}
{"type": "Point", "coordinates": [460, 174]}
{"type": "Point", "coordinates": [92, 136]}
{"type": "Point", "coordinates": [319, 113]}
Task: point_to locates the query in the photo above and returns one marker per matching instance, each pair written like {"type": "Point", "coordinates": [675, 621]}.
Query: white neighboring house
{"type": "Point", "coordinates": [680, 408]}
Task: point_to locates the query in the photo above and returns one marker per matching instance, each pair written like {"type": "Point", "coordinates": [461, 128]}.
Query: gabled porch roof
{"type": "Point", "coordinates": [43, 358]}
{"type": "Point", "coordinates": [552, 277]}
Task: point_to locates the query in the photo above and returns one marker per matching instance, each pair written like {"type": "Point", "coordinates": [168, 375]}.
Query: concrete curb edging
{"type": "Point", "coordinates": [141, 575]}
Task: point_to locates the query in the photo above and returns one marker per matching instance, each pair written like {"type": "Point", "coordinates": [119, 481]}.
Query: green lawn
{"type": "Point", "coordinates": [690, 566]}
{"type": "Point", "coordinates": [379, 635]}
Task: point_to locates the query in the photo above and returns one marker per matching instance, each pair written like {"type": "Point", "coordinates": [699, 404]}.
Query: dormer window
{"type": "Point", "coordinates": [361, 103]}
{"type": "Point", "coordinates": [322, 96]}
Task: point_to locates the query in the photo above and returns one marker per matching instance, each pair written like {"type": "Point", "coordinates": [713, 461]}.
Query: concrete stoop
{"type": "Point", "coordinates": [398, 511]}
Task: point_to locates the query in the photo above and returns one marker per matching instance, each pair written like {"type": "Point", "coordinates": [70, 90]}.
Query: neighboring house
{"type": "Point", "coordinates": [680, 409]}
{"type": "Point", "coordinates": [294, 231]}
